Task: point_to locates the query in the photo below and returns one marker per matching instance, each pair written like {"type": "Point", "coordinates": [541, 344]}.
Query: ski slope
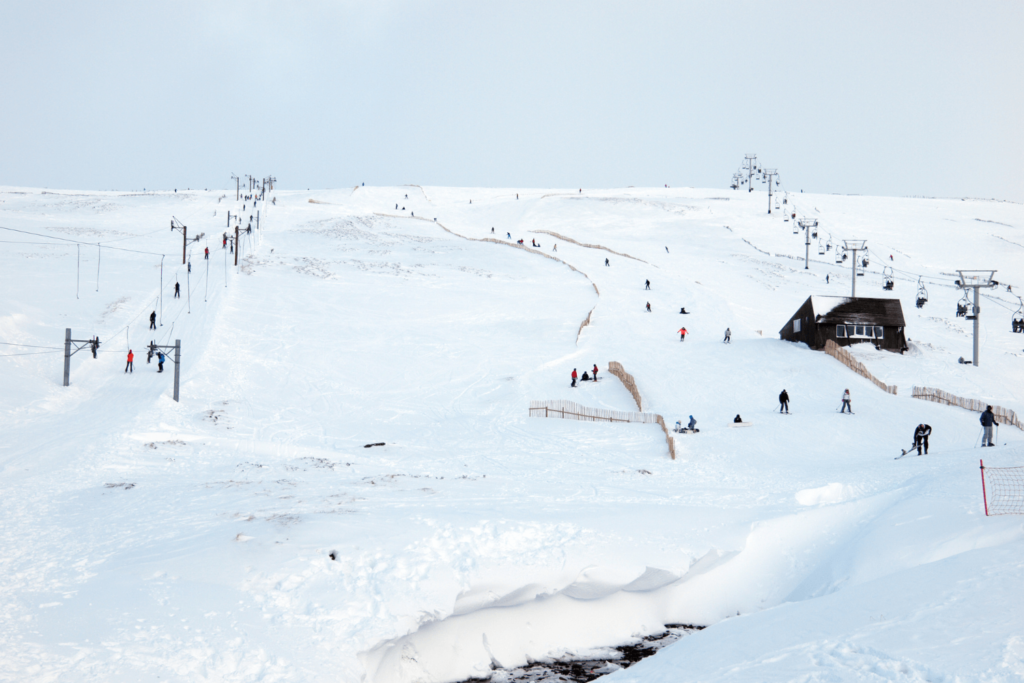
{"type": "Point", "coordinates": [145, 539]}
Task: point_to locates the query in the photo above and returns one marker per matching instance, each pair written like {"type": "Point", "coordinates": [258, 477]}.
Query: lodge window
{"type": "Point", "coordinates": [860, 331]}
{"type": "Point", "coordinates": [796, 325]}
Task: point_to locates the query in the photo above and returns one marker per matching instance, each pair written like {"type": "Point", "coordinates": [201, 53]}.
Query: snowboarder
{"type": "Point", "coordinates": [728, 336]}
{"type": "Point", "coordinates": [647, 284]}
{"type": "Point", "coordinates": [692, 426]}
{"type": "Point", "coordinates": [666, 250]}
{"type": "Point", "coordinates": [130, 367]}
{"type": "Point", "coordinates": [586, 377]}
{"type": "Point", "coordinates": [606, 262]}
{"type": "Point", "coordinates": [648, 306]}
{"type": "Point", "coordinates": [683, 311]}
{"type": "Point", "coordinates": [921, 435]}
{"type": "Point", "coordinates": [206, 253]}
{"type": "Point", "coordinates": [595, 372]}
{"type": "Point", "coordinates": [988, 418]}
{"type": "Point", "coordinates": [177, 290]}
{"type": "Point", "coordinates": [784, 402]}
{"type": "Point", "coordinates": [160, 361]}
{"type": "Point", "coordinates": [682, 334]}
{"type": "Point", "coordinates": [152, 320]}
{"type": "Point", "coordinates": [846, 402]}
{"type": "Point", "coordinates": [737, 419]}
{"type": "Point", "coordinates": [573, 377]}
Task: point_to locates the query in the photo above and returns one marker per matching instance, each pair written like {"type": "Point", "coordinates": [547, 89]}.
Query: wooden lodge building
{"type": "Point", "coordinates": [848, 321]}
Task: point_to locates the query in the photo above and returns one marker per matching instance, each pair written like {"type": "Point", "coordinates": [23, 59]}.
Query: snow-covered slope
{"type": "Point", "coordinates": [246, 534]}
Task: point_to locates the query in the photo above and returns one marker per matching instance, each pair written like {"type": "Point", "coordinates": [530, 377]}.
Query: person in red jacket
{"type": "Point", "coordinates": [682, 334]}
{"type": "Point", "coordinates": [129, 367]}
{"type": "Point", "coordinates": [573, 377]}
{"type": "Point", "coordinates": [206, 253]}
{"type": "Point", "coordinates": [595, 372]}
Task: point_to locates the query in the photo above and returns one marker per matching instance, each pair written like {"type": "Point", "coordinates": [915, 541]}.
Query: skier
{"type": "Point", "coordinates": [988, 418]}
{"type": "Point", "coordinates": [190, 266]}
{"type": "Point", "coordinates": [648, 306]}
{"type": "Point", "coordinates": [647, 284]}
{"type": "Point", "coordinates": [492, 231]}
{"type": "Point", "coordinates": [666, 250]}
{"type": "Point", "coordinates": [921, 435]}
{"type": "Point", "coordinates": [95, 344]}
{"type": "Point", "coordinates": [152, 320]}
{"type": "Point", "coordinates": [784, 402]}
{"type": "Point", "coordinates": [130, 367]}
{"type": "Point", "coordinates": [846, 402]}
{"type": "Point", "coordinates": [206, 253]}
{"type": "Point", "coordinates": [177, 290]}
{"type": "Point", "coordinates": [682, 334]}
{"type": "Point", "coordinates": [737, 419]}
{"type": "Point", "coordinates": [509, 235]}
{"type": "Point", "coordinates": [826, 279]}
{"type": "Point", "coordinates": [728, 336]}
{"type": "Point", "coordinates": [573, 377]}
{"type": "Point", "coordinates": [606, 262]}
{"type": "Point", "coordinates": [595, 372]}
{"type": "Point", "coordinates": [555, 248]}
{"type": "Point", "coordinates": [160, 361]}
{"type": "Point", "coordinates": [224, 244]}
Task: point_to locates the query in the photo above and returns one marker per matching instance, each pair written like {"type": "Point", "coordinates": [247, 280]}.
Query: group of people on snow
{"type": "Point", "coordinates": [586, 377]}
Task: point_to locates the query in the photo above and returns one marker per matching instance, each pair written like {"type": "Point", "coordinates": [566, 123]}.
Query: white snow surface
{"type": "Point", "coordinates": [144, 539]}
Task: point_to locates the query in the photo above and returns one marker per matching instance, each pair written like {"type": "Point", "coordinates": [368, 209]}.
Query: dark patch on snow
{"type": "Point", "coordinates": [571, 669]}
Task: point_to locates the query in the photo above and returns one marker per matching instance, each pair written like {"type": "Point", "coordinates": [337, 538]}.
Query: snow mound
{"type": "Point", "coordinates": [825, 495]}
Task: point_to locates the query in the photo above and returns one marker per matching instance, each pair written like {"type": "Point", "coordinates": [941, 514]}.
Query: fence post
{"type": "Point", "coordinates": [984, 495]}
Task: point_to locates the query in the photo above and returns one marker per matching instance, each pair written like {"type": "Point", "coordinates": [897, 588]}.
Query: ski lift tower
{"type": "Point", "coordinates": [770, 173]}
{"type": "Point", "coordinates": [854, 246]}
{"type": "Point", "coordinates": [976, 279]}
{"type": "Point", "coordinates": [750, 159]}
{"type": "Point", "coordinates": [807, 224]}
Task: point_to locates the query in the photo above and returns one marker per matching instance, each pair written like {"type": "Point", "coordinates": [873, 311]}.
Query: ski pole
{"type": "Point", "coordinates": [979, 437]}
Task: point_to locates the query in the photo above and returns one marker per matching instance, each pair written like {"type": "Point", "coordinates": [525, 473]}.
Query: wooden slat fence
{"type": "Point", "coordinates": [588, 246]}
{"type": "Point", "coordinates": [1003, 415]}
{"type": "Point", "coordinates": [571, 410]}
{"type": "Point", "coordinates": [847, 359]}
{"type": "Point", "coordinates": [584, 324]}
{"type": "Point", "coordinates": [627, 380]}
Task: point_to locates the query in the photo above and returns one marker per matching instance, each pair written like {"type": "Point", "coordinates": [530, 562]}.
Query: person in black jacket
{"type": "Point", "coordinates": [988, 418]}
{"type": "Point", "coordinates": [921, 435]}
{"type": "Point", "coordinates": [784, 402]}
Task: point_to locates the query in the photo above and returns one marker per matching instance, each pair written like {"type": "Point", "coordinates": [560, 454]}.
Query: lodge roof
{"type": "Point", "coordinates": [834, 310]}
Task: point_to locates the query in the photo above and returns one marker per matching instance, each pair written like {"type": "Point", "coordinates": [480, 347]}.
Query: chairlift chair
{"type": "Point", "coordinates": [796, 228]}
{"type": "Point", "coordinates": [963, 306]}
{"type": "Point", "coordinates": [839, 255]}
{"type": "Point", "coordinates": [922, 294]}
{"type": "Point", "coordinates": [888, 281]}
{"type": "Point", "coordinates": [1017, 319]}
{"type": "Point", "coordinates": [821, 247]}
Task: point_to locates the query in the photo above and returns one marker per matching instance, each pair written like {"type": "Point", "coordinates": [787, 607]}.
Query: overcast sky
{"type": "Point", "coordinates": [887, 98]}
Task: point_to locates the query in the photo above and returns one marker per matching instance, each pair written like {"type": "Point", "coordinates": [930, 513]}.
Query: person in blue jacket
{"type": "Point", "coordinates": [988, 418]}
{"type": "Point", "coordinates": [160, 361]}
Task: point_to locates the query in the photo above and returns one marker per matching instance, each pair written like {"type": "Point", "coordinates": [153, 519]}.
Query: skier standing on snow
{"type": "Point", "coordinates": [988, 418]}
{"type": "Point", "coordinates": [682, 334]}
{"type": "Point", "coordinates": [692, 426]}
{"type": "Point", "coordinates": [573, 377]}
{"type": "Point", "coordinates": [177, 290]}
{"type": "Point", "coordinates": [648, 306]}
{"type": "Point", "coordinates": [595, 372]}
{"type": "Point", "coordinates": [130, 367]}
{"type": "Point", "coordinates": [647, 284]}
{"type": "Point", "coordinates": [784, 402]}
{"type": "Point", "coordinates": [846, 402]}
{"type": "Point", "coordinates": [160, 361]}
{"type": "Point", "coordinates": [206, 254]}
{"type": "Point", "coordinates": [921, 435]}
{"type": "Point", "coordinates": [152, 320]}
{"type": "Point", "coordinates": [606, 262]}
{"type": "Point", "coordinates": [728, 336]}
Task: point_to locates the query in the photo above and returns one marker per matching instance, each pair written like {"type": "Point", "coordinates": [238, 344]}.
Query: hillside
{"type": "Point", "coordinates": [246, 534]}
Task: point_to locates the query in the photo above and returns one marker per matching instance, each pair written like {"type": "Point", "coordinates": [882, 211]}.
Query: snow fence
{"type": "Point", "coordinates": [1003, 415]}
{"type": "Point", "coordinates": [627, 380]}
{"type": "Point", "coordinates": [847, 359]}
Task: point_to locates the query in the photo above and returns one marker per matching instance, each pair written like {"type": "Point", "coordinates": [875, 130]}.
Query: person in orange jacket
{"type": "Point", "coordinates": [130, 367]}
{"type": "Point", "coordinates": [682, 334]}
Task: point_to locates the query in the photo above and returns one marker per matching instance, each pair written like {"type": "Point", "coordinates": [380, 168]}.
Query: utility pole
{"type": "Point", "coordinates": [236, 245]}
{"type": "Point", "coordinates": [976, 279]}
{"type": "Point", "coordinates": [769, 172]}
{"type": "Point", "coordinates": [229, 219]}
{"type": "Point", "coordinates": [237, 180]}
{"type": "Point", "coordinates": [751, 158]}
{"type": "Point", "coordinates": [177, 361]}
{"type": "Point", "coordinates": [807, 224]}
{"type": "Point", "coordinates": [183, 229]}
{"type": "Point", "coordinates": [91, 344]}
{"type": "Point", "coordinates": [854, 246]}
